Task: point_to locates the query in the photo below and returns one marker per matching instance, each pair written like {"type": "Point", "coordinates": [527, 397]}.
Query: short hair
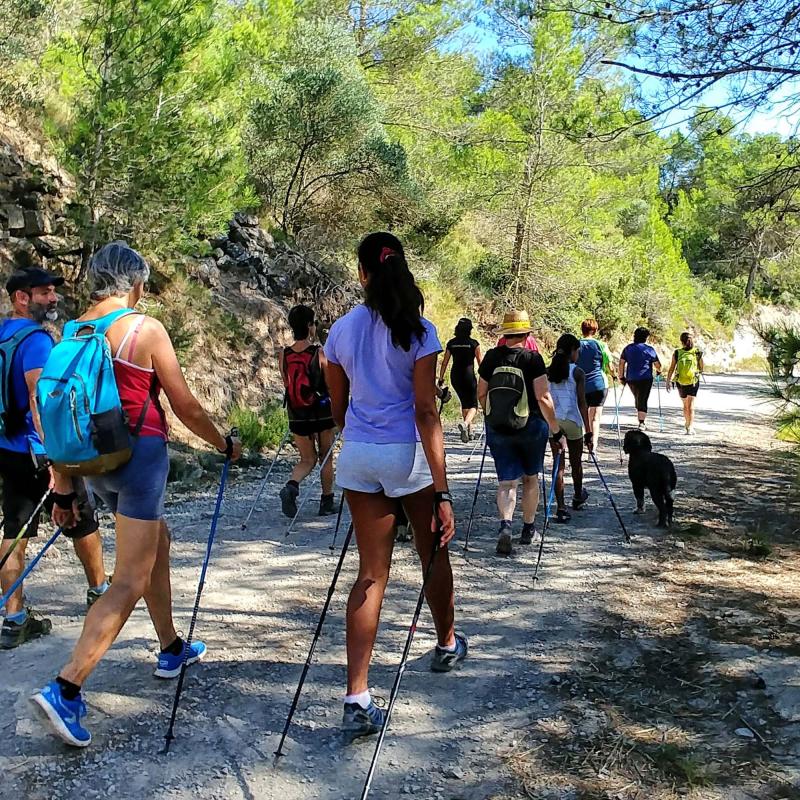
{"type": "Point", "coordinates": [115, 269]}
{"type": "Point", "coordinates": [589, 327]}
{"type": "Point", "coordinates": [463, 328]}
{"type": "Point", "coordinates": [300, 319]}
{"type": "Point", "coordinates": [640, 335]}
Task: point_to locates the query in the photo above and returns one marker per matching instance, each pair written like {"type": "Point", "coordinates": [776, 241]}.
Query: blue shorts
{"type": "Point", "coordinates": [137, 489]}
{"type": "Point", "coordinates": [519, 453]}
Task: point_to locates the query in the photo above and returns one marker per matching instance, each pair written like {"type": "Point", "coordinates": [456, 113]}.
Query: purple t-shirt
{"type": "Point", "coordinates": [381, 409]}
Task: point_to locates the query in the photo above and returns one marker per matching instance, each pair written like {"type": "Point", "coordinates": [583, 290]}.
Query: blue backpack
{"type": "Point", "coordinates": [85, 427]}
{"type": "Point", "coordinates": [10, 417]}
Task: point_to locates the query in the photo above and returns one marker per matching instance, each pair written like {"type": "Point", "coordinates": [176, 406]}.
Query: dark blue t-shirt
{"type": "Point", "coordinates": [640, 359]}
{"type": "Point", "coordinates": [30, 354]}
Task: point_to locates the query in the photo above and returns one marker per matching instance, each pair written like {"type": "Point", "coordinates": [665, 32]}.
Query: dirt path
{"type": "Point", "coordinates": [625, 673]}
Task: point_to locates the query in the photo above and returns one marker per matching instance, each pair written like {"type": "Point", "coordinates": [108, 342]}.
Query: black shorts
{"type": "Point", "coordinates": [23, 487]}
{"type": "Point", "coordinates": [465, 385]}
{"type": "Point", "coordinates": [596, 399]}
{"type": "Point", "coordinates": [688, 391]}
{"type": "Point", "coordinates": [310, 427]}
{"type": "Point", "coordinates": [641, 393]}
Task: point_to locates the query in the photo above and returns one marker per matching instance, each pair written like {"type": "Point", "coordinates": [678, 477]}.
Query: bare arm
{"type": "Point", "coordinates": [429, 426]}
{"type": "Point", "coordinates": [621, 372]}
{"type": "Point", "coordinates": [483, 393]}
{"type": "Point", "coordinates": [580, 387]}
{"type": "Point", "coordinates": [541, 388]}
{"type": "Point", "coordinates": [281, 368]}
{"type": "Point", "coordinates": [479, 355]}
{"type": "Point", "coordinates": [672, 365]}
{"type": "Point", "coordinates": [700, 365]}
{"type": "Point", "coordinates": [445, 362]}
{"type": "Point", "coordinates": [657, 365]}
{"type": "Point", "coordinates": [339, 390]}
{"type": "Point", "coordinates": [170, 375]}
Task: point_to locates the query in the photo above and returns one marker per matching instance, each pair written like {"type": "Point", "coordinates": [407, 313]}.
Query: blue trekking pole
{"type": "Point", "coordinates": [547, 507]}
{"type": "Point", "coordinates": [27, 571]}
{"type": "Point", "coordinates": [187, 644]}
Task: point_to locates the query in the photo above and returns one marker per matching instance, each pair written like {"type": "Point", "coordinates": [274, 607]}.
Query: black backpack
{"type": "Point", "coordinates": [507, 406]}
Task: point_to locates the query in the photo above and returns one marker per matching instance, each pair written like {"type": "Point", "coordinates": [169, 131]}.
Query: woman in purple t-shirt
{"type": "Point", "coordinates": [381, 373]}
{"type": "Point", "coordinates": [636, 365]}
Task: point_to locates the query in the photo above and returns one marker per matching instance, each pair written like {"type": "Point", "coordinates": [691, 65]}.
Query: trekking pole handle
{"type": "Point", "coordinates": [230, 441]}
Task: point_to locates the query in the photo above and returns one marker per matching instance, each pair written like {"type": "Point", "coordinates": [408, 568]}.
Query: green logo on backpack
{"type": "Point", "coordinates": [687, 367]}
{"type": "Point", "coordinates": [507, 408]}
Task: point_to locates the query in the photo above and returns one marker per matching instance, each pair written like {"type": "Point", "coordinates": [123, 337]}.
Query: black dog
{"type": "Point", "coordinates": [651, 470]}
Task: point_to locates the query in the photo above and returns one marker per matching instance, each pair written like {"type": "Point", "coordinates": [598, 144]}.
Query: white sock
{"type": "Point", "coordinates": [451, 648]}
{"type": "Point", "coordinates": [362, 698]}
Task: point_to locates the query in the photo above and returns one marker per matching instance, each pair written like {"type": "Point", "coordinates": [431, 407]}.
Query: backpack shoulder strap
{"type": "Point", "coordinates": [99, 325]}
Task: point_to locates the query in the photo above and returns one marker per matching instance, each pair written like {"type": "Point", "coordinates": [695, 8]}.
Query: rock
{"type": "Point", "coordinates": [14, 216]}
{"type": "Point", "coordinates": [208, 272]}
{"type": "Point", "coordinates": [680, 545]}
{"type": "Point", "coordinates": [454, 773]}
{"type": "Point", "coordinates": [745, 733]}
{"type": "Point", "coordinates": [219, 242]}
{"type": "Point", "coordinates": [246, 220]}
{"type": "Point", "coordinates": [218, 253]}
{"type": "Point", "coordinates": [225, 263]}
{"type": "Point", "coordinates": [36, 223]}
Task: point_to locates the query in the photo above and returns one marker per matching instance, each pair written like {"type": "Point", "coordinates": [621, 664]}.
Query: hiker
{"type": "Point", "coordinates": [686, 367]}
{"type": "Point", "coordinates": [308, 406]}
{"type": "Point", "coordinates": [529, 344]}
{"type": "Point", "coordinates": [25, 345]}
{"type": "Point", "coordinates": [596, 361]}
{"type": "Point", "coordinates": [144, 363]}
{"type": "Point", "coordinates": [515, 396]}
{"type": "Point", "coordinates": [381, 375]}
{"type": "Point", "coordinates": [464, 351]}
{"type": "Point", "coordinates": [636, 365]}
{"type": "Point", "coordinates": [567, 388]}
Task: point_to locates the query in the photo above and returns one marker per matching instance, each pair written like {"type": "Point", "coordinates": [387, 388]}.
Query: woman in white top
{"type": "Point", "coordinates": [567, 388]}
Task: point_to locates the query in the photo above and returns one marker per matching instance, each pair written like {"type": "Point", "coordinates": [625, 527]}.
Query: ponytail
{"type": "Point", "coordinates": [391, 290]}
{"type": "Point", "coordinates": [687, 341]}
{"type": "Point", "coordinates": [558, 370]}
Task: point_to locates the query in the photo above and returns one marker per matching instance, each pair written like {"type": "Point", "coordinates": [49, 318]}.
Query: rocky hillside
{"type": "Point", "coordinates": [225, 307]}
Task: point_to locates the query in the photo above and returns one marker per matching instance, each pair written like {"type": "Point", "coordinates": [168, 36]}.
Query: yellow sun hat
{"type": "Point", "coordinates": [515, 323]}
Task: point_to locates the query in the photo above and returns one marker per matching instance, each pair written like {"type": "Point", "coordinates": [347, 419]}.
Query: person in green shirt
{"type": "Point", "coordinates": [595, 360]}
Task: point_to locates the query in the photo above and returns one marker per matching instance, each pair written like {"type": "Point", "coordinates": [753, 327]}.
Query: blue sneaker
{"type": "Point", "coordinates": [169, 666]}
{"type": "Point", "coordinates": [64, 715]}
{"type": "Point", "coordinates": [357, 721]}
{"type": "Point", "coordinates": [444, 660]}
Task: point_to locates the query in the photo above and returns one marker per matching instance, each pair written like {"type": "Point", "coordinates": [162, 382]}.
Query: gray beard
{"type": "Point", "coordinates": [41, 313]}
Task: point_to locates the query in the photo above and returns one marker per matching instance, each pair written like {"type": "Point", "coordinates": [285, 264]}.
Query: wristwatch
{"type": "Point", "coordinates": [557, 436]}
{"type": "Point", "coordinates": [443, 497]}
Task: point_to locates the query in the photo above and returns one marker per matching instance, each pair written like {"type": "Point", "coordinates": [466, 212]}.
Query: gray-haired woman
{"type": "Point", "coordinates": [144, 364]}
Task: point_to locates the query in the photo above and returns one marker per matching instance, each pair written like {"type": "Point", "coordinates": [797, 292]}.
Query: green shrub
{"type": "Point", "coordinates": [261, 429]}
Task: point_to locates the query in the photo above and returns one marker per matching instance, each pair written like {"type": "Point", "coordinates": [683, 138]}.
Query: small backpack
{"type": "Point", "coordinates": [687, 366]}
{"type": "Point", "coordinates": [10, 418]}
{"type": "Point", "coordinates": [85, 427]}
{"type": "Point", "coordinates": [507, 407]}
{"type": "Point", "coordinates": [305, 386]}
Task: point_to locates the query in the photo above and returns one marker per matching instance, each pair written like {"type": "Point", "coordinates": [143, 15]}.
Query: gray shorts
{"type": "Point", "coordinates": [397, 470]}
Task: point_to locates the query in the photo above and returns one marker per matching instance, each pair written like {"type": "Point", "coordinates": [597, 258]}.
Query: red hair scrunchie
{"type": "Point", "coordinates": [385, 253]}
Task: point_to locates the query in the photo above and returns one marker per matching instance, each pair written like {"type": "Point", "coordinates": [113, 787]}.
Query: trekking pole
{"type": "Point", "coordinates": [168, 737]}
{"type": "Point", "coordinates": [401, 669]}
{"type": "Point", "coordinates": [317, 632]}
{"type": "Point", "coordinates": [266, 478]}
{"type": "Point", "coordinates": [660, 413]}
{"type": "Point", "coordinates": [27, 571]}
{"type": "Point", "coordinates": [611, 498]}
{"type": "Point", "coordinates": [475, 498]}
{"type": "Point", "coordinates": [477, 443]}
{"type": "Point", "coordinates": [548, 505]}
{"type": "Point", "coordinates": [24, 528]}
{"type": "Point", "coordinates": [338, 523]}
{"type": "Point", "coordinates": [324, 461]}
{"type": "Point", "coordinates": [619, 432]}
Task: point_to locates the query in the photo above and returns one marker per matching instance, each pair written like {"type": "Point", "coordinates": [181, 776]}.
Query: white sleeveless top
{"type": "Point", "coordinates": [565, 398]}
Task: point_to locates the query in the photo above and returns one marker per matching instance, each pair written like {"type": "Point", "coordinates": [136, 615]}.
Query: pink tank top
{"type": "Point", "coordinates": [136, 385]}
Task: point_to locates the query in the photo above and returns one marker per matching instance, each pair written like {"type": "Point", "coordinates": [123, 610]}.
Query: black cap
{"type": "Point", "coordinates": [30, 279]}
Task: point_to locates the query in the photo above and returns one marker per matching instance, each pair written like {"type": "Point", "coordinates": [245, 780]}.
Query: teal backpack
{"type": "Point", "coordinates": [10, 419]}
{"type": "Point", "coordinates": [85, 428]}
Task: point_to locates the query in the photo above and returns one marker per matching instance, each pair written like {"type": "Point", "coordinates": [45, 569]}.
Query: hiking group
{"type": "Point", "coordinates": [375, 379]}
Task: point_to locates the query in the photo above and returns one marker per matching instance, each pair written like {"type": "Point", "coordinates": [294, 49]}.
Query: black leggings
{"type": "Point", "coordinates": [465, 385]}
{"type": "Point", "coordinates": [641, 393]}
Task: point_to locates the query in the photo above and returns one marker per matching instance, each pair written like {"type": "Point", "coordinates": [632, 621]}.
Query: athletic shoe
{"type": "Point", "coordinates": [64, 715]}
{"type": "Point", "coordinates": [470, 434]}
{"type": "Point", "coordinates": [403, 534]}
{"type": "Point", "coordinates": [93, 595]}
{"type": "Point", "coordinates": [504, 539]}
{"type": "Point", "coordinates": [528, 533]}
{"type": "Point", "coordinates": [327, 505]}
{"type": "Point", "coordinates": [642, 426]}
{"type": "Point", "coordinates": [444, 660]}
{"type": "Point", "coordinates": [288, 497]}
{"type": "Point", "coordinates": [13, 634]}
{"type": "Point", "coordinates": [563, 516]}
{"type": "Point", "coordinates": [169, 666]}
{"type": "Point", "coordinates": [358, 721]}
{"type": "Point", "coordinates": [579, 502]}
{"type": "Point", "coordinates": [462, 429]}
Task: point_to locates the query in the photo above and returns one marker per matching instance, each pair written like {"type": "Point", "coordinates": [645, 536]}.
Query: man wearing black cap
{"type": "Point", "coordinates": [25, 346]}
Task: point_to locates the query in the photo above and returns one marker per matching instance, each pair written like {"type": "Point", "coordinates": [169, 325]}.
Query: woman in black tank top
{"type": "Point", "coordinates": [464, 351]}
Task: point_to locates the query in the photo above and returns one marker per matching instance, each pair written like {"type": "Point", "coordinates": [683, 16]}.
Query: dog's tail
{"type": "Point", "coordinates": [673, 477]}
